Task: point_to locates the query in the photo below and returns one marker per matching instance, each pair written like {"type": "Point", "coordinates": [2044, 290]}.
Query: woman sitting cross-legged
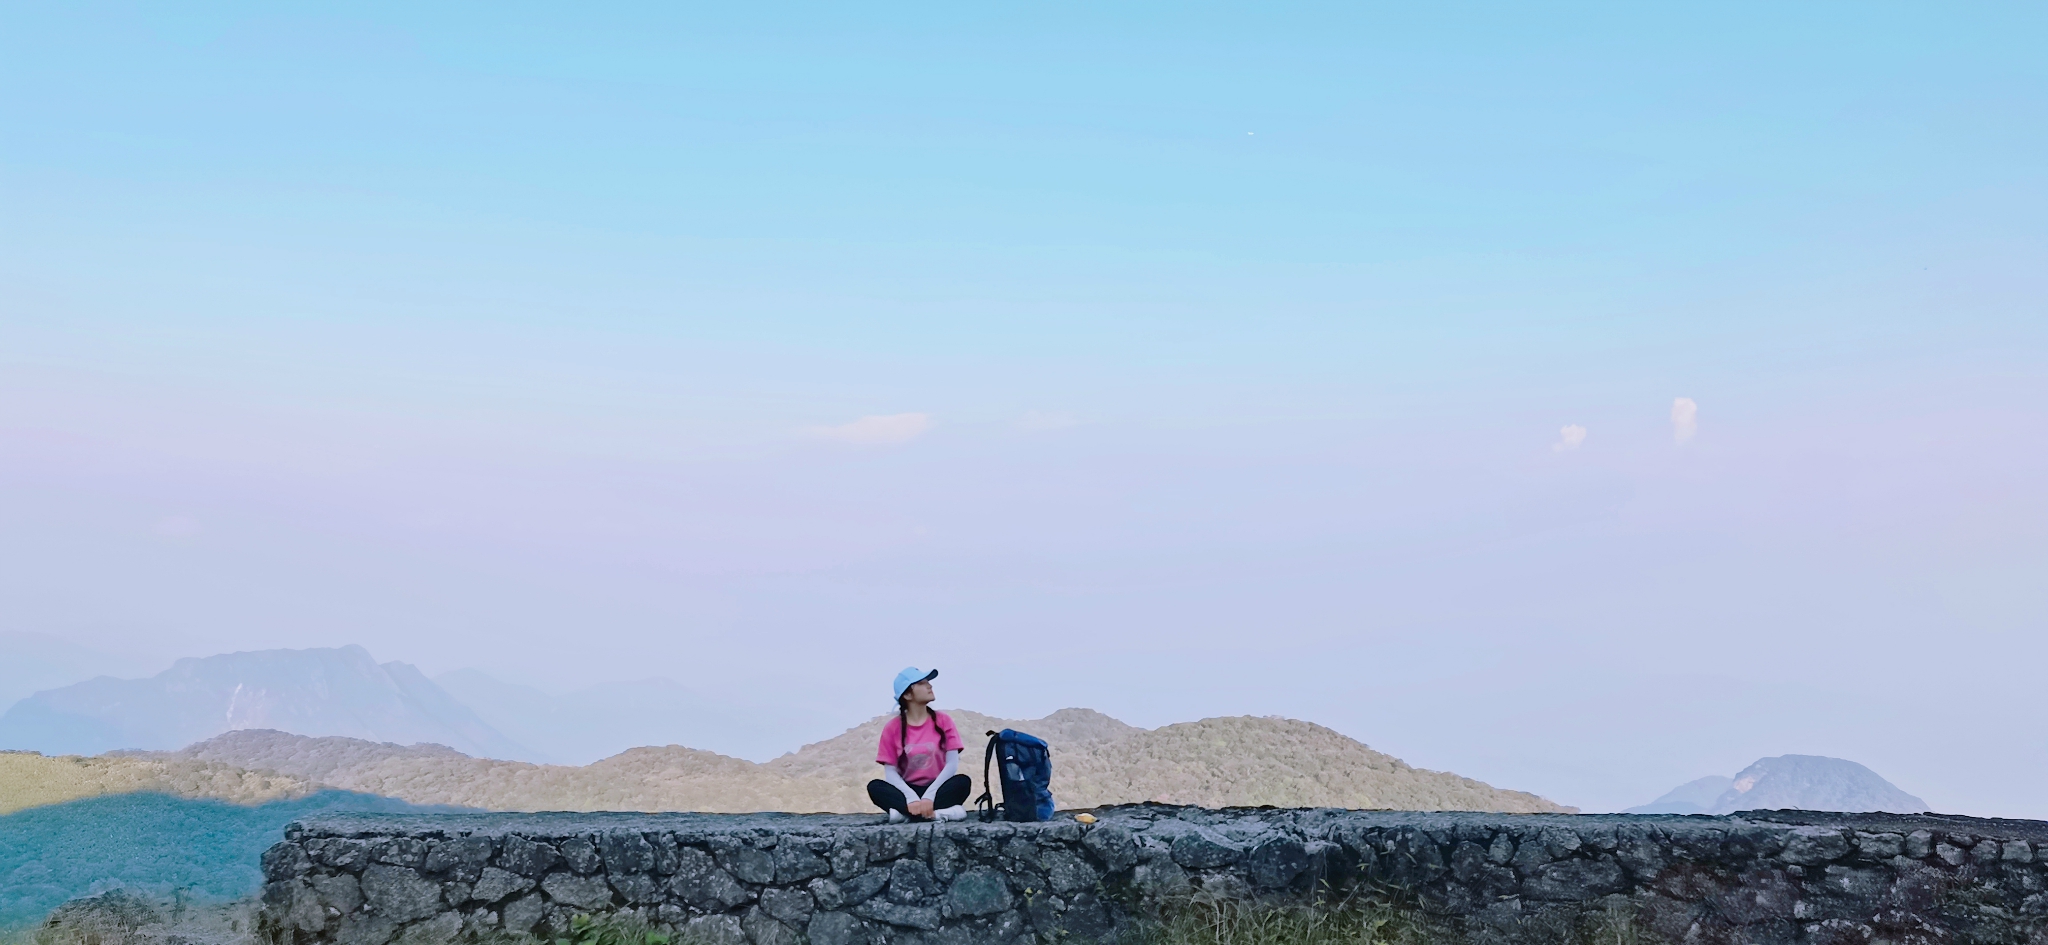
{"type": "Point", "coordinates": [920, 757]}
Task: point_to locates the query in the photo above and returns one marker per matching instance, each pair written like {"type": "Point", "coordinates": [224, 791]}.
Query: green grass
{"type": "Point", "coordinates": [154, 845]}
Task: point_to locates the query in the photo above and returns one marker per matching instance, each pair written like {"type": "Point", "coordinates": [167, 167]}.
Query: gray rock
{"type": "Point", "coordinates": [885, 845]}
{"type": "Point", "coordinates": [1202, 850]}
{"type": "Point", "coordinates": [337, 891]}
{"type": "Point", "coordinates": [794, 864]}
{"type": "Point", "coordinates": [625, 852]}
{"type": "Point", "coordinates": [340, 853]}
{"type": "Point", "coordinates": [848, 860]}
{"type": "Point", "coordinates": [581, 892]}
{"type": "Point", "coordinates": [863, 887]}
{"type": "Point", "coordinates": [496, 884]}
{"type": "Point", "coordinates": [664, 847]}
{"type": "Point", "coordinates": [1087, 919]}
{"type": "Point", "coordinates": [978, 892]}
{"type": "Point", "coordinates": [1575, 880]}
{"type": "Point", "coordinates": [286, 861]}
{"type": "Point", "coordinates": [793, 906]}
{"type": "Point", "coordinates": [1112, 845]}
{"type": "Point", "coordinates": [943, 856]}
{"type": "Point", "coordinates": [2017, 851]}
{"type": "Point", "coordinates": [479, 923]}
{"type": "Point", "coordinates": [1855, 884]}
{"type": "Point", "coordinates": [639, 888]}
{"type": "Point", "coordinates": [1067, 872]}
{"type": "Point", "coordinates": [1530, 856]}
{"type": "Point", "coordinates": [580, 855]}
{"type": "Point", "coordinates": [399, 893]}
{"type": "Point", "coordinates": [1811, 846]}
{"type": "Point", "coordinates": [703, 884]}
{"type": "Point", "coordinates": [439, 930]}
{"type": "Point", "coordinates": [827, 894]}
{"type": "Point", "coordinates": [1879, 846]}
{"type": "Point", "coordinates": [526, 857]}
{"type": "Point", "coordinates": [1560, 843]}
{"type": "Point", "coordinates": [1162, 877]}
{"type": "Point", "coordinates": [521, 915]}
{"type": "Point", "coordinates": [745, 862]}
{"type": "Point", "coordinates": [462, 858]}
{"type": "Point", "coordinates": [715, 930]}
{"type": "Point", "coordinates": [1277, 863]}
{"type": "Point", "coordinates": [292, 902]}
{"type": "Point", "coordinates": [911, 883]}
{"type": "Point", "coordinates": [366, 929]}
{"type": "Point", "coordinates": [763, 929]}
{"type": "Point", "coordinates": [410, 852]}
{"type": "Point", "coordinates": [834, 928]}
{"type": "Point", "coordinates": [897, 914]}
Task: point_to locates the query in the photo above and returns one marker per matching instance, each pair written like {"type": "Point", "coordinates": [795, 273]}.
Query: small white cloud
{"type": "Point", "coordinates": [879, 430]}
{"type": "Point", "coordinates": [1043, 420]}
{"type": "Point", "coordinates": [1569, 438]}
{"type": "Point", "coordinates": [1685, 419]}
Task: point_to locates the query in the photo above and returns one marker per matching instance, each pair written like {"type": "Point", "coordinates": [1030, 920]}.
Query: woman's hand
{"type": "Point", "coordinates": [920, 808]}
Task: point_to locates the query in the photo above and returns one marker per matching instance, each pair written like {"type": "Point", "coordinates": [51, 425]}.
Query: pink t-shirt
{"type": "Point", "coordinates": [925, 755]}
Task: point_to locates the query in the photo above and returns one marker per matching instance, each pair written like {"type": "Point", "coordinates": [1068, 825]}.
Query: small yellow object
{"type": "Point", "coordinates": [1085, 818]}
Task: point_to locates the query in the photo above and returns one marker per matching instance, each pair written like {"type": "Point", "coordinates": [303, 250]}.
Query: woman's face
{"type": "Point", "coordinates": [920, 693]}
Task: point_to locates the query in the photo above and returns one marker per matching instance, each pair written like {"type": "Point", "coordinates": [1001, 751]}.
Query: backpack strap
{"type": "Point", "coordinates": [986, 805]}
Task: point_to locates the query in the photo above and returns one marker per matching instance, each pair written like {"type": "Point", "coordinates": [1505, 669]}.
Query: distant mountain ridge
{"type": "Point", "coordinates": [1788, 782]}
{"type": "Point", "coordinates": [1097, 760]}
{"type": "Point", "coordinates": [291, 720]}
{"type": "Point", "coordinates": [32, 662]}
{"type": "Point", "coordinates": [329, 691]}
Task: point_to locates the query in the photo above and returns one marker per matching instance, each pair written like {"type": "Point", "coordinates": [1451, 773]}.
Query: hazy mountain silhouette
{"type": "Point", "coordinates": [580, 727]}
{"type": "Point", "coordinates": [32, 662]}
{"type": "Point", "coordinates": [1692, 797]}
{"type": "Point", "coordinates": [341, 691]}
{"type": "Point", "coordinates": [1788, 782]}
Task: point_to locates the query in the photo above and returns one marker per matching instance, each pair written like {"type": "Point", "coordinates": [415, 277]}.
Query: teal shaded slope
{"type": "Point", "coordinates": [148, 843]}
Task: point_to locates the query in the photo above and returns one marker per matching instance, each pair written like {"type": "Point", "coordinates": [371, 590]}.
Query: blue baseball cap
{"type": "Point", "coordinates": [911, 676]}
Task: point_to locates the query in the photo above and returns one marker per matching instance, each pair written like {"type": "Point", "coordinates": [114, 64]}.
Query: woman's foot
{"type": "Point", "coordinates": [955, 812]}
{"type": "Point", "coordinates": [896, 817]}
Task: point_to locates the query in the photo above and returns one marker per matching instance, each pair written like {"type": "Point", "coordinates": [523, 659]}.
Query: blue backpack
{"type": "Point", "coordinates": [1027, 778]}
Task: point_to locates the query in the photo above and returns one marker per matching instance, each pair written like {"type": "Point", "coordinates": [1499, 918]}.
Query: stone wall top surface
{"type": "Point", "coordinates": [565, 824]}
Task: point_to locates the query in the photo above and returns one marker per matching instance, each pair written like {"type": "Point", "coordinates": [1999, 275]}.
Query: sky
{"type": "Point", "coordinates": [1583, 398]}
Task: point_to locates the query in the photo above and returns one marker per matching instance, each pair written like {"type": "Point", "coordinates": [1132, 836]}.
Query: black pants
{"type": "Point", "coordinates": [953, 793]}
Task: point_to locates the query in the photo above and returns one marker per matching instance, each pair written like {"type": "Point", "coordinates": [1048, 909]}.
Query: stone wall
{"type": "Point", "coordinates": [834, 879]}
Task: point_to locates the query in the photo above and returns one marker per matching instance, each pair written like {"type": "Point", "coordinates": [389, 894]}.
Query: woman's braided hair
{"type": "Point", "coordinates": [903, 738]}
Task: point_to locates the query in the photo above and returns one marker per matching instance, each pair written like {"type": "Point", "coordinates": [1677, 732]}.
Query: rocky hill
{"type": "Point", "coordinates": [339, 691]}
{"type": "Point", "coordinates": [1097, 760]}
{"type": "Point", "coordinates": [29, 780]}
{"type": "Point", "coordinates": [1812, 782]}
{"type": "Point", "coordinates": [1788, 782]}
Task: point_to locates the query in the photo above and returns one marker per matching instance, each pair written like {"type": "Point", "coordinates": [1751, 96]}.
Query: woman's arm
{"type": "Point", "coordinates": [895, 777]}
{"type": "Point", "coordinates": [952, 768]}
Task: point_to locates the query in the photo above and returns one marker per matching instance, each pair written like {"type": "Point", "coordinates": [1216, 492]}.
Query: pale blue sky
{"type": "Point", "coordinates": [1243, 337]}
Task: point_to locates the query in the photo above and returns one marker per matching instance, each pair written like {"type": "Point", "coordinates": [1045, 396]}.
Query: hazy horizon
{"type": "Point", "coordinates": [1580, 399]}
